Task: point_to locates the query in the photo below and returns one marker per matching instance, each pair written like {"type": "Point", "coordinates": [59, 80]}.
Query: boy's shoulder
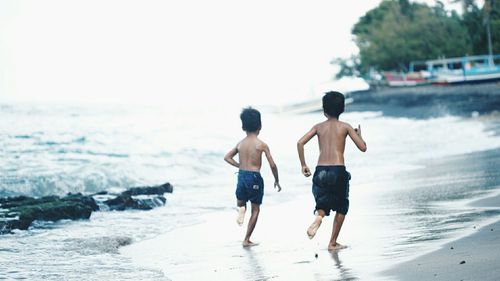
{"type": "Point", "coordinates": [345, 124]}
{"type": "Point", "coordinates": [260, 142]}
{"type": "Point", "coordinates": [322, 123]}
{"type": "Point", "coordinates": [342, 124]}
{"type": "Point", "coordinates": [257, 141]}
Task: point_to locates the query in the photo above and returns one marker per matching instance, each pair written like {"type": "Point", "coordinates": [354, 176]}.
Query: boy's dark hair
{"type": "Point", "coordinates": [333, 103]}
{"type": "Point", "coordinates": [250, 120]}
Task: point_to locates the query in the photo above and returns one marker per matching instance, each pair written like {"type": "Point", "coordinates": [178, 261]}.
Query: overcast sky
{"type": "Point", "coordinates": [165, 51]}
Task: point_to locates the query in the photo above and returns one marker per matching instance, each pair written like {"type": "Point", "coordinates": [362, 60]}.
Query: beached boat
{"type": "Point", "coordinates": [468, 69]}
{"type": "Point", "coordinates": [395, 79]}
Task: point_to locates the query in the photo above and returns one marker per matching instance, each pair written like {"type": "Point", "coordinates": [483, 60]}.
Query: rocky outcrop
{"type": "Point", "coordinates": [19, 212]}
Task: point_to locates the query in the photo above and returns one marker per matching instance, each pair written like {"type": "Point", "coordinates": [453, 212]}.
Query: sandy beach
{"type": "Point", "coordinates": [212, 249]}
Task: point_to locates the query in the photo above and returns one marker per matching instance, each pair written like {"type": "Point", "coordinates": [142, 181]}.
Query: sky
{"type": "Point", "coordinates": [173, 52]}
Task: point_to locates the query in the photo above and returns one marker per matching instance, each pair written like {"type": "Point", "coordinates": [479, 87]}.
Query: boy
{"type": "Point", "coordinates": [250, 185]}
{"type": "Point", "coordinates": [331, 180]}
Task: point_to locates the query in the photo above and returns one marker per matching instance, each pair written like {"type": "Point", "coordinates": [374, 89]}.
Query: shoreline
{"type": "Point", "coordinates": [473, 257]}
{"type": "Point", "coordinates": [424, 102]}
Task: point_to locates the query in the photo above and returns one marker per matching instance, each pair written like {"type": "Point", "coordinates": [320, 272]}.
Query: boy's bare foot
{"type": "Point", "coordinates": [249, 243]}
{"type": "Point", "coordinates": [241, 215]}
{"type": "Point", "coordinates": [336, 247]}
{"type": "Point", "coordinates": [311, 231]}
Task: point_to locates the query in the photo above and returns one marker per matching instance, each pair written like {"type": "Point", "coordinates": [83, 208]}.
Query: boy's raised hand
{"type": "Point", "coordinates": [305, 171]}
{"type": "Point", "coordinates": [358, 130]}
{"type": "Point", "coordinates": [277, 185]}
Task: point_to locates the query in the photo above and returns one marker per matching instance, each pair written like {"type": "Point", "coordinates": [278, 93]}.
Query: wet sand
{"type": "Point", "coordinates": [474, 257]}
{"type": "Point", "coordinates": [213, 250]}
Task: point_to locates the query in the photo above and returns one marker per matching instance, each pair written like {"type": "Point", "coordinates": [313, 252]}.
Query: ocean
{"type": "Point", "coordinates": [409, 189]}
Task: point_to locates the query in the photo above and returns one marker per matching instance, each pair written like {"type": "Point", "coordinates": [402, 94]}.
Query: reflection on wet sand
{"type": "Point", "coordinates": [344, 272]}
{"type": "Point", "coordinates": [253, 269]}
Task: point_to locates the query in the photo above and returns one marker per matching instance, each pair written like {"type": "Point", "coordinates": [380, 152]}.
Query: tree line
{"type": "Point", "coordinates": [398, 32]}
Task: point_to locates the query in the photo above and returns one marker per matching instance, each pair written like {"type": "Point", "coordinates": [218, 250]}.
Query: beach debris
{"type": "Point", "coordinates": [462, 262]}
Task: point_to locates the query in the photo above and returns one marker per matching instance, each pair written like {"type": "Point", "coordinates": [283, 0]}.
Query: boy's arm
{"type": "Point", "coordinates": [300, 148]}
{"type": "Point", "coordinates": [229, 158]}
{"type": "Point", "coordinates": [273, 166]}
{"type": "Point", "coordinates": [356, 137]}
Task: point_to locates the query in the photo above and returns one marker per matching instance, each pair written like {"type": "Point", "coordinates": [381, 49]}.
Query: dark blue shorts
{"type": "Point", "coordinates": [331, 189]}
{"type": "Point", "coordinates": [250, 187]}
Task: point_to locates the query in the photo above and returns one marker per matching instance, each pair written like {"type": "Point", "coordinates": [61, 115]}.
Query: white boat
{"type": "Point", "coordinates": [469, 69]}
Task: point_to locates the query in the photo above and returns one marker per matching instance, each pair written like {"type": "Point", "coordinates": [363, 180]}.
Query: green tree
{"type": "Point", "coordinates": [475, 19]}
{"type": "Point", "coordinates": [395, 33]}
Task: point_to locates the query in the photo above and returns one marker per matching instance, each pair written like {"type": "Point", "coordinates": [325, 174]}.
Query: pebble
{"type": "Point", "coordinates": [451, 248]}
{"type": "Point", "coordinates": [462, 262]}
{"type": "Point", "coordinates": [316, 255]}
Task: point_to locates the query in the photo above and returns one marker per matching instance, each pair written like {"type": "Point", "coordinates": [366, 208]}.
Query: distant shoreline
{"type": "Point", "coordinates": [429, 101]}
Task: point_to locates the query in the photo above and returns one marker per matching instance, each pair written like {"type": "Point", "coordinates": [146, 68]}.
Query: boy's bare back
{"type": "Point", "coordinates": [250, 153]}
{"type": "Point", "coordinates": [332, 134]}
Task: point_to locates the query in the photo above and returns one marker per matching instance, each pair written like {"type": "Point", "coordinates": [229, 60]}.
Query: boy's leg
{"type": "Point", "coordinates": [251, 225]}
{"type": "Point", "coordinates": [337, 225]}
{"type": "Point", "coordinates": [242, 208]}
{"type": "Point", "coordinates": [311, 231]}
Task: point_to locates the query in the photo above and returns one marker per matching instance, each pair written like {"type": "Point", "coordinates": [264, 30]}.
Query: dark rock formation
{"type": "Point", "coordinates": [125, 201]}
{"type": "Point", "coordinates": [159, 190]}
{"type": "Point", "coordinates": [20, 211]}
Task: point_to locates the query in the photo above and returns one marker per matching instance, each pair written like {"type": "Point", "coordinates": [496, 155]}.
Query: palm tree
{"type": "Point", "coordinates": [486, 21]}
{"type": "Point", "coordinates": [488, 4]}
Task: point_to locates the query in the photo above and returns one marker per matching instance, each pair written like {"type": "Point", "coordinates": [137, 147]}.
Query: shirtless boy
{"type": "Point", "coordinates": [331, 180]}
{"type": "Point", "coordinates": [250, 185]}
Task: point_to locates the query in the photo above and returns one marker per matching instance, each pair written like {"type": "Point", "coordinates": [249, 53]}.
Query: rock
{"type": "Point", "coordinates": [12, 202]}
{"type": "Point", "coordinates": [20, 211]}
{"type": "Point", "coordinates": [125, 201]}
{"type": "Point", "coordinates": [21, 217]}
{"type": "Point", "coordinates": [100, 193]}
{"type": "Point", "coordinates": [149, 190]}
{"type": "Point", "coordinates": [462, 262]}
{"type": "Point", "coordinates": [86, 200]}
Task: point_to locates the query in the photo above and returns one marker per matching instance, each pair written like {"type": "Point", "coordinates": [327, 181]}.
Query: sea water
{"type": "Point", "coordinates": [48, 149]}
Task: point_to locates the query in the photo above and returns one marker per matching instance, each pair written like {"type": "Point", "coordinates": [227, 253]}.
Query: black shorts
{"type": "Point", "coordinates": [331, 189]}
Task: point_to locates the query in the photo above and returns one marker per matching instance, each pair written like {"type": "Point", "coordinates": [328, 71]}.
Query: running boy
{"type": "Point", "coordinates": [331, 180]}
{"type": "Point", "coordinates": [250, 185]}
